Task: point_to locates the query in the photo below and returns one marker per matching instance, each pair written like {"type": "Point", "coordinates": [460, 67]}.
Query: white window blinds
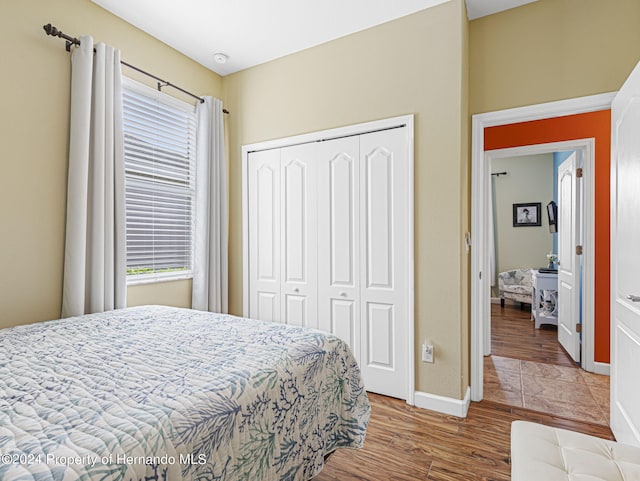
{"type": "Point", "coordinates": [160, 152]}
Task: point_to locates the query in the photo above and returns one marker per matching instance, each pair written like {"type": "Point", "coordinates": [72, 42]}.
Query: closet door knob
{"type": "Point", "coordinates": [343, 294]}
{"type": "Point", "coordinates": [296, 289]}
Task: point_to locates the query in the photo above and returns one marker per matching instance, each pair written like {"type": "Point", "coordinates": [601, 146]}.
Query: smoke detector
{"type": "Point", "coordinates": [220, 57]}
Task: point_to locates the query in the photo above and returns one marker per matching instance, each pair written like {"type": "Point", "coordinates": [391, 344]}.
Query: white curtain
{"type": "Point", "coordinates": [210, 270]}
{"type": "Point", "coordinates": [94, 260]}
{"type": "Point", "coordinates": [492, 242]}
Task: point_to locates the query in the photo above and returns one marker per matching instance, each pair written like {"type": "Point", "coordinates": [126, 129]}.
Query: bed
{"type": "Point", "coordinates": [157, 393]}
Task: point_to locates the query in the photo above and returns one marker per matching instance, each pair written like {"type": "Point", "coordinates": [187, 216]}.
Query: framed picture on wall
{"type": "Point", "coordinates": [526, 215]}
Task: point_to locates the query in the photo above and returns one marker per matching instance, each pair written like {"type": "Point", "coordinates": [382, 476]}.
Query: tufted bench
{"type": "Point", "coordinates": [542, 453]}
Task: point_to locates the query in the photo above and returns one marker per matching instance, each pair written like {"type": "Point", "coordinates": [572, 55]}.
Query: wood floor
{"type": "Point", "coordinates": [406, 443]}
{"type": "Point", "coordinates": [514, 335]}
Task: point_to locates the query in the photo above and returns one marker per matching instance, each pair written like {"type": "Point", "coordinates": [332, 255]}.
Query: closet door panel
{"type": "Point", "coordinates": [344, 323]}
{"type": "Point", "coordinates": [338, 239]}
{"type": "Point", "coordinates": [299, 235]}
{"type": "Point", "coordinates": [295, 310]}
{"type": "Point", "coordinates": [267, 306]}
{"type": "Point", "coordinates": [381, 329]}
{"type": "Point", "coordinates": [264, 235]}
{"type": "Point", "coordinates": [383, 161]}
{"type": "Point", "coordinates": [342, 212]}
{"type": "Point", "coordinates": [379, 218]}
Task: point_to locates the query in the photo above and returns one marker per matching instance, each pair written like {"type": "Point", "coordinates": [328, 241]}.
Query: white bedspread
{"type": "Point", "coordinates": [159, 393]}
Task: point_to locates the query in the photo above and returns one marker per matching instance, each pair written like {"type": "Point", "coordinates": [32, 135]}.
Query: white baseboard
{"type": "Point", "coordinates": [442, 404]}
{"type": "Point", "coordinates": [602, 368]}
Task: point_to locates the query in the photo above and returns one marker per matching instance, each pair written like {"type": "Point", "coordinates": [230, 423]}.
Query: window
{"type": "Point", "coordinates": [159, 152]}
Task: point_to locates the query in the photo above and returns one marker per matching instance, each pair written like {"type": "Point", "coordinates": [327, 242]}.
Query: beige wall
{"type": "Point", "coordinates": [529, 179]}
{"type": "Point", "coordinates": [34, 133]}
{"type": "Point", "coordinates": [552, 50]}
{"type": "Point", "coordinates": [412, 65]}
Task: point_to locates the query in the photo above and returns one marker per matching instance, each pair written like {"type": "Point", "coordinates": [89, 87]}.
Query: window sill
{"type": "Point", "coordinates": [155, 279]}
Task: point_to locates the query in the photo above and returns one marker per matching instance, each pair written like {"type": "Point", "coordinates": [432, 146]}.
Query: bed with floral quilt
{"type": "Point", "coordinates": [157, 393]}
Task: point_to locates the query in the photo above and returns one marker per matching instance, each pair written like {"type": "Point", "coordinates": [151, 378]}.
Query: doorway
{"type": "Point", "coordinates": [556, 112]}
{"type": "Point", "coordinates": [520, 249]}
{"type": "Point", "coordinates": [534, 345]}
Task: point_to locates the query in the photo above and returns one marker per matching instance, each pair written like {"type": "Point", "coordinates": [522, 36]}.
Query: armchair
{"type": "Point", "coordinates": [516, 285]}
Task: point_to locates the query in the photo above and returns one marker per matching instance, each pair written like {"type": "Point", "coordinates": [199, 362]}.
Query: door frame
{"type": "Point", "coordinates": [404, 121]}
{"type": "Point", "coordinates": [480, 288]}
{"type": "Point", "coordinates": [586, 148]}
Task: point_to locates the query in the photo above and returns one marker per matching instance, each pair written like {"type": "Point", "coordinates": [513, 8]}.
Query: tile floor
{"type": "Point", "coordinates": [564, 391]}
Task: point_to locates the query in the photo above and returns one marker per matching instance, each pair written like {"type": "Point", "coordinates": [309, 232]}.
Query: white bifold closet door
{"type": "Point", "coordinates": [362, 280]}
{"type": "Point", "coordinates": [339, 240]}
{"type": "Point", "coordinates": [282, 223]}
{"type": "Point", "coordinates": [298, 238]}
{"type": "Point", "coordinates": [327, 228]}
{"type": "Point", "coordinates": [264, 227]}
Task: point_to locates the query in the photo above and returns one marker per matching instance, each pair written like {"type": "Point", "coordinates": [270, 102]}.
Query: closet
{"type": "Point", "coordinates": [329, 244]}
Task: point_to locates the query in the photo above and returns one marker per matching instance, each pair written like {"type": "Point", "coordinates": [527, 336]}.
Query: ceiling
{"type": "Point", "coordinates": [482, 8]}
{"type": "Point", "coordinates": [251, 32]}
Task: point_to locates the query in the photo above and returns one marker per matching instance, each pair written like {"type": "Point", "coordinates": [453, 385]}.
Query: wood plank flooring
{"type": "Point", "coordinates": [406, 443]}
{"type": "Point", "coordinates": [513, 334]}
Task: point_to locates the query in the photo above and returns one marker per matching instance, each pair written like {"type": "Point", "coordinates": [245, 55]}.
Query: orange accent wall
{"type": "Point", "coordinates": [595, 125]}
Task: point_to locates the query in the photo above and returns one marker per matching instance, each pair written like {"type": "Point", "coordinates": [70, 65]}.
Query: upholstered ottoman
{"type": "Point", "coordinates": [541, 453]}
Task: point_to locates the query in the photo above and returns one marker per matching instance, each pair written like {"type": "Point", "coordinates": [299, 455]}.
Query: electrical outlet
{"type": "Point", "coordinates": [427, 352]}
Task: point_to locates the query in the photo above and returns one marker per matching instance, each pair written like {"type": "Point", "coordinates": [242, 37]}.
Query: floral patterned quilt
{"type": "Point", "coordinates": [158, 393]}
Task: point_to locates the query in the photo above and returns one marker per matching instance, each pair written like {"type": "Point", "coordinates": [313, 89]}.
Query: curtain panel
{"type": "Point", "coordinates": [492, 231]}
{"type": "Point", "coordinates": [210, 263]}
{"type": "Point", "coordinates": [94, 261]}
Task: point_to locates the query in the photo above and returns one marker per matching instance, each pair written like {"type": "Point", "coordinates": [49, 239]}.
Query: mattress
{"type": "Point", "coordinates": [160, 393]}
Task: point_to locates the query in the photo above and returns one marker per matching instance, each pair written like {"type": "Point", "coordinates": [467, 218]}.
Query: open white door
{"type": "Point", "coordinates": [569, 262]}
{"type": "Point", "coordinates": [625, 261]}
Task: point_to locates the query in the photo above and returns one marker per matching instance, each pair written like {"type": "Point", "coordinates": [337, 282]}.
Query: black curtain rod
{"type": "Point", "coordinates": [498, 174]}
{"type": "Point", "coordinates": [53, 31]}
